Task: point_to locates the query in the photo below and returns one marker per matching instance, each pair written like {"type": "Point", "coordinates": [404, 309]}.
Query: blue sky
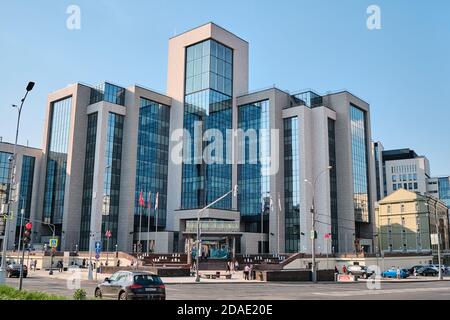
{"type": "Point", "coordinates": [402, 70]}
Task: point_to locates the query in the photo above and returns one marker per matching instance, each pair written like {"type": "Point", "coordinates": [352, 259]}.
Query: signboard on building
{"type": "Point", "coordinates": [434, 239]}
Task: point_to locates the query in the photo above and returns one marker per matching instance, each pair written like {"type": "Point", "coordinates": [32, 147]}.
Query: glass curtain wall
{"type": "Point", "coordinates": [292, 185]}
{"type": "Point", "coordinates": [56, 171]}
{"type": "Point", "coordinates": [208, 105]}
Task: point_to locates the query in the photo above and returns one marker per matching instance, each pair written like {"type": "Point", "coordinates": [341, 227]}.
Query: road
{"type": "Point", "coordinates": [268, 291]}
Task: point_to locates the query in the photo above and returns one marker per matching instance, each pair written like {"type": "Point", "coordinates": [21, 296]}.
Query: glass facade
{"type": "Point", "coordinates": [208, 105]}
{"type": "Point", "coordinates": [152, 164]}
{"type": "Point", "coordinates": [111, 181]}
{"type": "Point", "coordinates": [444, 190]}
{"type": "Point", "coordinates": [333, 185]}
{"type": "Point", "coordinates": [89, 165]}
{"type": "Point", "coordinates": [254, 185]}
{"type": "Point", "coordinates": [360, 161]}
{"type": "Point", "coordinates": [5, 171]}
{"type": "Point", "coordinates": [292, 185]}
{"type": "Point", "coordinates": [109, 93]}
{"type": "Point", "coordinates": [26, 185]}
{"type": "Point", "coordinates": [56, 171]}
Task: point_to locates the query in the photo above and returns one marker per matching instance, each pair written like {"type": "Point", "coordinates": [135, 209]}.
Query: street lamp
{"type": "Point", "coordinates": [12, 178]}
{"type": "Point", "coordinates": [234, 192]}
{"type": "Point", "coordinates": [438, 237]}
{"type": "Point", "coordinates": [313, 224]}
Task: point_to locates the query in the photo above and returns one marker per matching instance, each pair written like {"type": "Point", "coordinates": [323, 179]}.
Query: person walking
{"type": "Point", "coordinates": [228, 267]}
{"type": "Point", "coordinates": [398, 273]}
{"type": "Point", "coordinates": [246, 272]}
{"type": "Point", "coordinates": [84, 263]}
{"type": "Point", "coordinates": [236, 265]}
{"type": "Point", "coordinates": [415, 272]}
{"type": "Point", "coordinates": [344, 269]}
{"type": "Point", "coordinates": [251, 271]}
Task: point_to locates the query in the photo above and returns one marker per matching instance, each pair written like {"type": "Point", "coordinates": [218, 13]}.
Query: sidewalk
{"type": "Point", "coordinates": [407, 280]}
{"type": "Point", "coordinates": [83, 275]}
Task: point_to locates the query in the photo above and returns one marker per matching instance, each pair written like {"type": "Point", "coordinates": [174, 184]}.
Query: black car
{"type": "Point", "coordinates": [13, 270]}
{"type": "Point", "coordinates": [127, 285]}
{"type": "Point", "coordinates": [427, 271]}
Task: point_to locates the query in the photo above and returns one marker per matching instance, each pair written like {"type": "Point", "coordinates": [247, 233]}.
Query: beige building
{"type": "Point", "coordinates": [406, 221]}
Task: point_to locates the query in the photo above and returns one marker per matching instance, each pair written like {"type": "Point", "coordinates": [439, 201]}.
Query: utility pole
{"type": "Point", "coordinates": [313, 224]}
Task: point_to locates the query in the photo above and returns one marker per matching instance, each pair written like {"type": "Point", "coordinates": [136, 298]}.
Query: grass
{"type": "Point", "coordinates": [8, 293]}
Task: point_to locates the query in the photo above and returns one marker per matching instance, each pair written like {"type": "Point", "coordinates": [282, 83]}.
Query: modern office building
{"type": "Point", "coordinates": [400, 169]}
{"type": "Point", "coordinates": [24, 196]}
{"type": "Point", "coordinates": [439, 187]}
{"type": "Point", "coordinates": [141, 164]}
{"type": "Point", "coordinates": [406, 221]}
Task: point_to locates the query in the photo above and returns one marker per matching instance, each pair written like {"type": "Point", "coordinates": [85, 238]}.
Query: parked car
{"type": "Point", "coordinates": [411, 270]}
{"type": "Point", "coordinates": [427, 271]}
{"type": "Point", "coordinates": [13, 270]}
{"type": "Point", "coordinates": [361, 271]}
{"type": "Point", "coordinates": [436, 267]}
{"type": "Point", "coordinates": [126, 285]}
{"type": "Point", "coordinates": [392, 273]}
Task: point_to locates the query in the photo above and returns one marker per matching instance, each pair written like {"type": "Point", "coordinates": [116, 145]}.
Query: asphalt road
{"type": "Point", "coordinates": [268, 291]}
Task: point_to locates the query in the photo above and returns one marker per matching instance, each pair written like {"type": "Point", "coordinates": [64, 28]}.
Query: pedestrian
{"type": "Point", "coordinates": [398, 273]}
{"type": "Point", "coordinates": [415, 272]}
{"type": "Point", "coordinates": [118, 263]}
{"type": "Point", "coordinates": [246, 272]}
{"type": "Point", "coordinates": [84, 263]}
{"type": "Point", "coordinates": [229, 267]}
{"type": "Point", "coordinates": [336, 270]}
{"type": "Point", "coordinates": [60, 266]}
{"type": "Point", "coordinates": [344, 269]}
{"type": "Point", "coordinates": [251, 271]}
{"type": "Point", "coordinates": [236, 265]}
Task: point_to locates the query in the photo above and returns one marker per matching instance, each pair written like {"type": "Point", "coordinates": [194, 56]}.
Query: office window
{"type": "Point", "coordinates": [360, 164]}
{"type": "Point", "coordinates": [89, 165]}
{"type": "Point", "coordinates": [152, 164]}
{"type": "Point", "coordinates": [254, 183]}
{"type": "Point", "coordinates": [56, 171]}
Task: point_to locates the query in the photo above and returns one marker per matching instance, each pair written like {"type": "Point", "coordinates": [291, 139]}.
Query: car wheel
{"type": "Point", "coordinates": [123, 296]}
{"type": "Point", "coordinates": [364, 276]}
{"type": "Point", "coordinates": [98, 293]}
{"type": "Point", "coordinates": [9, 275]}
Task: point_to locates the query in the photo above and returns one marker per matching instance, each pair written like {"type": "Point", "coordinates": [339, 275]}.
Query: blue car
{"type": "Point", "coordinates": [392, 273]}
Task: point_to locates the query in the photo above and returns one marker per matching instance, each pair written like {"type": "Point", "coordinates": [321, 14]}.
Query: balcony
{"type": "Point", "coordinates": [213, 227]}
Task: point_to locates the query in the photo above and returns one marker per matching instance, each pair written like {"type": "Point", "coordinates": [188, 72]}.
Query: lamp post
{"type": "Point", "coordinates": [197, 258]}
{"type": "Point", "coordinates": [29, 87]}
{"type": "Point", "coordinates": [313, 224]}
{"type": "Point", "coordinates": [436, 220]}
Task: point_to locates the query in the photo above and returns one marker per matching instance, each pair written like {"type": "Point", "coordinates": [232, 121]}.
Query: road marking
{"type": "Point", "coordinates": [376, 292]}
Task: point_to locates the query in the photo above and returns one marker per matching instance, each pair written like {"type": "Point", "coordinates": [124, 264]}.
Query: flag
{"type": "Point", "coordinates": [149, 204]}
{"type": "Point", "coordinates": [141, 200]}
{"type": "Point", "coordinates": [156, 201]}
{"type": "Point", "coordinates": [328, 236]}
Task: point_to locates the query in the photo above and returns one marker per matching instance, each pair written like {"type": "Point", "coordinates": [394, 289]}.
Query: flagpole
{"type": "Point", "coordinates": [140, 223]}
{"type": "Point", "coordinates": [156, 216]}
{"type": "Point", "coordinates": [148, 223]}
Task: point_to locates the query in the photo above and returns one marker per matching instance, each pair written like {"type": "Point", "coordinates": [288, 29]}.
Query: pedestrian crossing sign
{"type": "Point", "coordinates": [53, 243]}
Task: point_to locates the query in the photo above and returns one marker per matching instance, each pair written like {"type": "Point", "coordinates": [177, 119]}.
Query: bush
{"type": "Point", "coordinates": [8, 293]}
{"type": "Point", "coordinates": [80, 294]}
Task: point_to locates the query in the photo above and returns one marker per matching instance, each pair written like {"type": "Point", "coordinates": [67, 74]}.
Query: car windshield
{"type": "Point", "coordinates": [147, 279]}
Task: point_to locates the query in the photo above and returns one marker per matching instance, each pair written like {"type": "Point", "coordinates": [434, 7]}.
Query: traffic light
{"type": "Point", "coordinates": [27, 233]}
